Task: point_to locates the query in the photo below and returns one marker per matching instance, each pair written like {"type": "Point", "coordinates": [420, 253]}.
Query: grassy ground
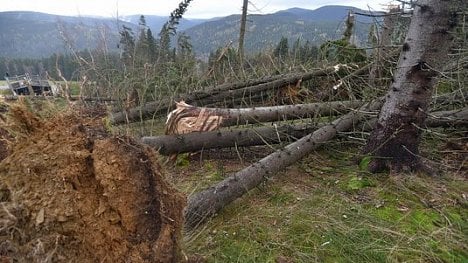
{"type": "Point", "coordinates": [325, 209]}
{"type": "Point", "coordinates": [4, 91]}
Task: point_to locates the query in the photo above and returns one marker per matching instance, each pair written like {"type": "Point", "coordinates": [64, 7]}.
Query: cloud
{"type": "Point", "coordinates": [198, 8]}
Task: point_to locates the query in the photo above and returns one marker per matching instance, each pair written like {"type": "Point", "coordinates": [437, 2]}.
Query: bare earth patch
{"type": "Point", "coordinates": [71, 192]}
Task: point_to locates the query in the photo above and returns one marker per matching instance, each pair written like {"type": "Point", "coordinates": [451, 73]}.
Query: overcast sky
{"type": "Point", "coordinates": [197, 9]}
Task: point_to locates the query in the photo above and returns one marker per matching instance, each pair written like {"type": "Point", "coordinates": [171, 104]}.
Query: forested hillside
{"type": "Point", "coordinates": [36, 35]}
{"type": "Point", "coordinates": [265, 31]}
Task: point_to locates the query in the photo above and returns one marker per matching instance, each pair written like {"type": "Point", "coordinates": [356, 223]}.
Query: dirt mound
{"type": "Point", "coordinates": [71, 192]}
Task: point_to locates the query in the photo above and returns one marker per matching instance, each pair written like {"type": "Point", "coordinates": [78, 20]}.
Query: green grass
{"type": "Point", "coordinates": [325, 209]}
{"type": "Point", "coordinates": [74, 88]}
{"type": "Point", "coordinates": [4, 92]}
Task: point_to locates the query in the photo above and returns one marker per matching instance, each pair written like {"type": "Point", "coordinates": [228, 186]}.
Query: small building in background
{"type": "Point", "coordinates": [28, 84]}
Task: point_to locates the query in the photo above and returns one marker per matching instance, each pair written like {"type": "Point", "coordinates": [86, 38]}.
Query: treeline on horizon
{"type": "Point", "coordinates": [69, 63]}
{"type": "Point", "coordinates": [170, 51]}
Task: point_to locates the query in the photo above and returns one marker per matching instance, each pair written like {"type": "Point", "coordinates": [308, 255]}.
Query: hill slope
{"type": "Point", "coordinates": [265, 31]}
{"type": "Point", "coordinates": [34, 35]}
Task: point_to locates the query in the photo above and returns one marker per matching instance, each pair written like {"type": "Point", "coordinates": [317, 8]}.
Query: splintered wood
{"type": "Point", "coordinates": [183, 120]}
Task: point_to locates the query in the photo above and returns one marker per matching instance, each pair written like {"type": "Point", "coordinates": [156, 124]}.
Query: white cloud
{"type": "Point", "coordinates": [198, 8]}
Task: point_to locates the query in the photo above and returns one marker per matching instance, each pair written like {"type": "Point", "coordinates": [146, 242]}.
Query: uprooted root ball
{"type": "Point", "coordinates": [71, 192]}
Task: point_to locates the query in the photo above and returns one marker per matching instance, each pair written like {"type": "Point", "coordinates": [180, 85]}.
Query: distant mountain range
{"type": "Point", "coordinates": [156, 22]}
{"type": "Point", "coordinates": [265, 31]}
{"type": "Point", "coordinates": [34, 35]}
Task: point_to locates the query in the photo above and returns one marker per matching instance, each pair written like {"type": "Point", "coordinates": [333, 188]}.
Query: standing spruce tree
{"type": "Point", "coordinates": [393, 144]}
{"type": "Point", "coordinates": [170, 29]}
{"type": "Point", "coordinates": [127, 45]}
{"type": "Point", "coordinates": [142, 44]}
{"type": "Point", "coordinates": [282, 49]}
{"type": "Point", "coordinates": [152, 45]}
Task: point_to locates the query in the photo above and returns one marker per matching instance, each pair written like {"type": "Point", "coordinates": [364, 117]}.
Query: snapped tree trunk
{"type": "Point", "coordinates": [208, 202]}
{"type": "Point", "coordinates": [243, 137]}
{"type": "Point", "coordinates": [231, 117]}
{"type": "Point", "coordinates": [242, 31]}
{"type": "Point", "coordinates": [395, 140]}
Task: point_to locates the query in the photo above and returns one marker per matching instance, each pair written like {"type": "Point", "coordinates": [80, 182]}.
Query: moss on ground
{"type": "Point", "coordinates": [326, 209]}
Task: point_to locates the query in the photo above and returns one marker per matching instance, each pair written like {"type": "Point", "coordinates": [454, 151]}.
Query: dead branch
{"type": "Point", "coordinates": [218, 94]}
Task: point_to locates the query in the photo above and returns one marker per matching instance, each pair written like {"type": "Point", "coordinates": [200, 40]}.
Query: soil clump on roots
{"type": "Point", "coordinates": [71, 192]}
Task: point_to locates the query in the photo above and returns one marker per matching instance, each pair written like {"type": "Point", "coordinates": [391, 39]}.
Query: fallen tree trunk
{"type": "Point", "coordinates": [447, 118]}
{"type": "Point", "coordinates": [452, 98]}
{"type": "Point", "coordinates": [192, 142]}
{"type": "Point", "coordinates": [202, 98]}
{"type": "Point", "coordinates": [230, 117]}
{"type": "Point", "coordinates": [231, 86]}
{"type": "Point", "coordinates": [208, 202]}
{"type": "Point", "coordinates": [276, 84]}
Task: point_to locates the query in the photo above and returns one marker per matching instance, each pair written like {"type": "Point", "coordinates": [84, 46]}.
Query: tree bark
{"type": "Point", "coordinates": [385, 40]}
{"type": "Point", "coordinates": [196, 141]}
{"type": "Point", "coordinates": [242, 31]}
{"type": "Point", "coordinates": [231, 117]}
{"type": "Point", "coordinates": [276, 84]}
{"type": "Point", "coordinates": [349, 27]}
{"type": "Point", "coordinates": [244, 137]}
{"type": "Point", "coordinates": [208, 202]}
{"type": "Point", "coordinates": [165, 104]}
{"type": "Point", "coordinates": [447, 118]}
{"type": "Point", "coordinates": [215, 95]}
{"type": "Point", "coordinates": [395, 140]}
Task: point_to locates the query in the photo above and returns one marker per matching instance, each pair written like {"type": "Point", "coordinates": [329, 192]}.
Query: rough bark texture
{"type": "Point", "coordinates": [215, 95]}
{"type": "Point", "coordinates": [171, 144]}
{"type": "Point", "coordinates": [192, 142]}
{"type": "Point", "coordinates": [394, 142]}
{"type": "Point", "coordinates": [208, 202]}
{"type": "Point", "coordinates": [243, 116]}
{"type": "Point", "coordinates": [349, 27]}
{"type": "Point", "coordinates": [242, 30]}
{"type": "Point", "coordinates": [164, 105]}
{"type": "Point", "coordinates": [249, 91]}
{"type": "Point", "coordinates": [448, 118]}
